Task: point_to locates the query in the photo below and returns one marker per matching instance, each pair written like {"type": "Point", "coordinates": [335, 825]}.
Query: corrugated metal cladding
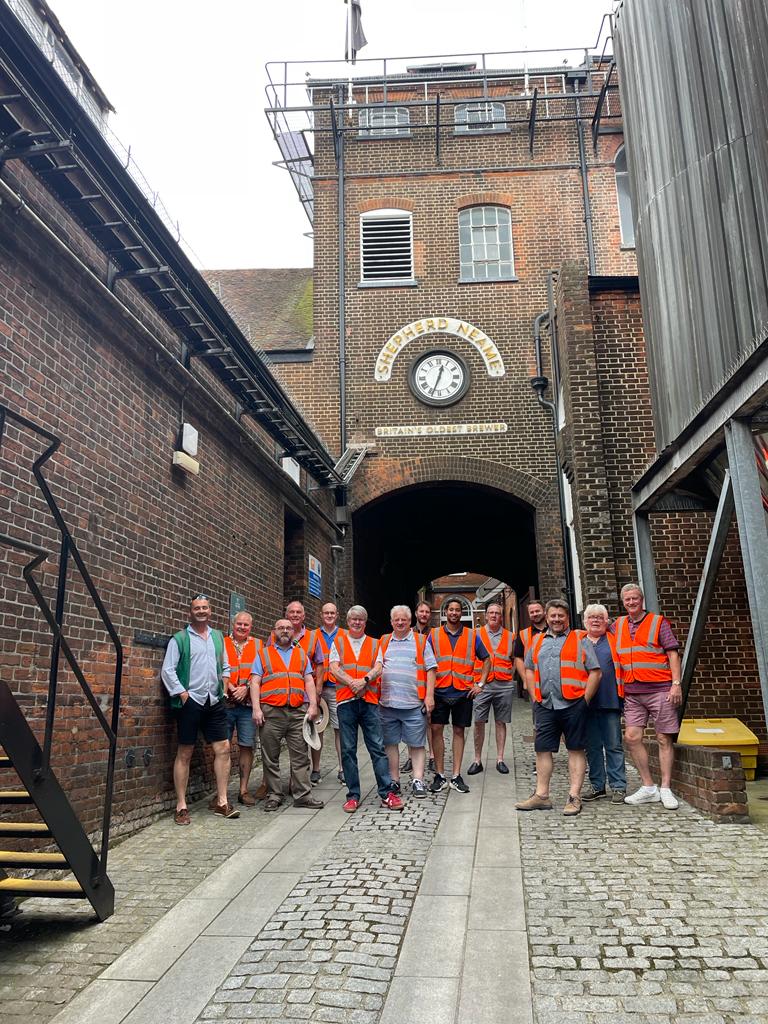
{"type": "Point", "coordinates": [694, 85]}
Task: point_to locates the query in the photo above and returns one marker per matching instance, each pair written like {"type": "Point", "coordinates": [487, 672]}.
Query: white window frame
{"type": "Point", "coordinates": [393, 122]}
{"type": "Point", "coordinates": [624, 199]}
{"type": "Point", "coordinates": [495, 119]}
{"type": "Point", "coordinates": [477, 251]}
{"type": "Point", "coordinates": [377, 282]}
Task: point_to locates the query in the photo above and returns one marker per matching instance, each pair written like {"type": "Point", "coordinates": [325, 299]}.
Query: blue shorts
{"type": "Point", "coordinates": [240, 717]}
{"type": "Point", "coordinates": [404, 725]}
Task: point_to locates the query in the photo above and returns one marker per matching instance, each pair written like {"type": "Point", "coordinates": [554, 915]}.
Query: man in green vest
{"type": "Point", "coordinates": [193, 672]}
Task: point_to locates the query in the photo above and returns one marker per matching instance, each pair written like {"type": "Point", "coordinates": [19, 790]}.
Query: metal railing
{"type": "Point", "coordinates": [55, 619]}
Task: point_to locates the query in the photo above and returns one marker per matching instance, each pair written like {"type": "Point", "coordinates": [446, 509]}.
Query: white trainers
{"type": "Point", "coordinates": [668, 799]}
{"type": "Point", "coordinates": [644, 795]}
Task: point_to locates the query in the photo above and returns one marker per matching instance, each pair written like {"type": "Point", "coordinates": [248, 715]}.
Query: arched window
{"type": "Point", "coordinates": [484, 116]}
{"type": "Point", "coordinates": [626, 219]}
{"type": "Point", "coordinates": [376, 121]}
{"type": "Point", "coordinates": [386, 247]}
{"type": "Point", "coordinates": [485, 244]}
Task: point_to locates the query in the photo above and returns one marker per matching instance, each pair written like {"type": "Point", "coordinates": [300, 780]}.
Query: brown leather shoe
{"type": "Point", "coordinates": [572, 806]}
{"type": "Point", "coordinates": [181, 817]}
{"type": "Point", "coordinates": [535, 803]}
{"type": "Point", "coordinates": [261, 792]}
{"type": "Point", "coordinates": [309, 802]}
{"type": "Point", "coordinates": [226, 811]}
{"type": "Point", "coordinates": [247, 799]}
{"type": "Point", "coordinates": [213, 803]}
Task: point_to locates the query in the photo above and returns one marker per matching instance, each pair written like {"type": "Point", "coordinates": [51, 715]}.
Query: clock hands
{"type": "Point", "coordinates": [440, 374]}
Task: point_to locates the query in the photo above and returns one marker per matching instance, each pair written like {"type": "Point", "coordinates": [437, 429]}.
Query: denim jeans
{"type": "Point", "coordinates": [354, 714]}
{"type": "Point", "coordinates": [605, 749]}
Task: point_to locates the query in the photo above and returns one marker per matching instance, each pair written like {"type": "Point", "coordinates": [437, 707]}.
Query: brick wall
{"type": "Point", "coordinates": [109, 385]}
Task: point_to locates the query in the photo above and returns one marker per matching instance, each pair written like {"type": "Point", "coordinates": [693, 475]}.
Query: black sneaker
{"type": "Point", "coordinates": [407, 765]}
{"type": "Point", "coordinates": [459, 784]}
{"type": "Point", "coordinates": [395, 787]}
{"type": "Point", "coordinates": [475, 768]}
{"type": "Point", "coordinates": [594, 794]}
{"type": "Point", "coordinates": [439, 782]}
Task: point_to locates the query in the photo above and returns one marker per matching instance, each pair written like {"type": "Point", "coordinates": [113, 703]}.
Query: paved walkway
{"type": "Point", "coordinates": [633, 915]}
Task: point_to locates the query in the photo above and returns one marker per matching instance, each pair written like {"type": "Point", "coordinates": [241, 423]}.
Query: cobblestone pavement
{"type": "Point", "coordinates": [56, 947]}
{"type": "Point", "coordinates": [641, 915]}
{"type": "Point", "coordinates": [329, 952]}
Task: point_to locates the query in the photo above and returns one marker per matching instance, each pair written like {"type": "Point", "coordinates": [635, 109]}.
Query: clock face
{"type": "Point", "coordinates": [439, 378]}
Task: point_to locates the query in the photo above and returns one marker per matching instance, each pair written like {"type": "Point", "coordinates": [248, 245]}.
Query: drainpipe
{"type": "Point", "coordinates": [584, 181]}
{"type": "Point", "coordinates": [540, 383]}
{"type": "Point", "coordinates": [342, 296]}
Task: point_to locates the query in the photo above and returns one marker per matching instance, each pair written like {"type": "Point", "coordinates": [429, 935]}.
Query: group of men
{"type": "Point", "coordinates": [405, 687]}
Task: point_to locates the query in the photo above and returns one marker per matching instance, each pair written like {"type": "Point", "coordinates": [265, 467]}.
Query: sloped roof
{"type": "Point", "coordinates": [273, 308]}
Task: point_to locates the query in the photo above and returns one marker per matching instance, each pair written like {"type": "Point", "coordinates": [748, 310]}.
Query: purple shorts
{"type": "Point", "coordinates": [639, 708]}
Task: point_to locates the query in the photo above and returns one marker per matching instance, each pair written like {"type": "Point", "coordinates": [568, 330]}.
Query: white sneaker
{"type": "Point", "coordinates": [668, 798]}
{"type": "Point", "coordinates": [644, 795]}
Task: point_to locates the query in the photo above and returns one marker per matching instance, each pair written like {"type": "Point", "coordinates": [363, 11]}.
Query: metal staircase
{"type": "Point", "coordinates": [27, 777]}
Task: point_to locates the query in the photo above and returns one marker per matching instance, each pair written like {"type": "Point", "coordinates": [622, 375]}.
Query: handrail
{"type": "Point", "coordinates": [55, 620]}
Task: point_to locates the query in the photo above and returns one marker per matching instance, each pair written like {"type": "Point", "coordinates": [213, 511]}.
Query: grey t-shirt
{"type": "Point", "coordinates": [549, 667]}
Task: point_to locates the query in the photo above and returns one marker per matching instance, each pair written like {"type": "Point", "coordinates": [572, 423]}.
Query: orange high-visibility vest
{"type": "Point", "coordinates": [421, 669]}
{"type": "Point", "coordinates": [455, 665]}
{"type": "Point", "coordinates": [526, 637]}
{"type": "Point", "coordinates": [357, 666]}
{"type": "Point", "coordinates": [502, 663]}
{"type": "Point", "coordinates": [308, 642]}
{"type": "Point", "coordinates": [643, 660]}
{"type": "Point", "coordinates": [241, 665]}
{"type": "Point", "coordinates": [326, 679]}
{"type": "Point", "coordinates": [573, 670]}
{"type": "Point", "coordinates": [281, 686]}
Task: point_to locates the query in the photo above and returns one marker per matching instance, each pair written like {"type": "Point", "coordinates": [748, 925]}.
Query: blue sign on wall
{"type": "Point", "coordinates": [315, 577]}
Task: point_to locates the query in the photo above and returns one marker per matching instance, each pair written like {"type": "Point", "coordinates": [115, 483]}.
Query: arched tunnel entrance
{"type": "Point", "coordinates": [410, 536]}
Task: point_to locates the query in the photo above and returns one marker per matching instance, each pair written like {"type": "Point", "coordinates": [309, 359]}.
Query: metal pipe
{"type": "Point", "coordinates": [585, 184]}
{"type": "Point", "coordinates": [342, 303]}
{"type": "Point", "coordinates": [539, 384]}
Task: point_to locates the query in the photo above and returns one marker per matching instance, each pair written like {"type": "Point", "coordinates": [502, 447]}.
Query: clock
{"type": "Point", "coordinates": [439, 378]}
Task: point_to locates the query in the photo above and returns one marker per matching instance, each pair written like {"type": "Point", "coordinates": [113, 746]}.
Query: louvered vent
{"type": "Point", "coordinates": [386, 240]}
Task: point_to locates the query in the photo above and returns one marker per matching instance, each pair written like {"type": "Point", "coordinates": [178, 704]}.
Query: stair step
{"type": "Point", "coordinates": [24, 829]}
{"type": "Point", "coordinates": [41, 887]}
{"type": "Point", "coordinates": [15, 796]}
{"type": "Point", "coordinates": [22, 859]}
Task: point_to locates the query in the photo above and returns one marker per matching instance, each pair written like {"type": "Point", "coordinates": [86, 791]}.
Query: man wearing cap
{"type": "Point", "coordinates": [353, 665]}
{"type": "Point", "coordinates": [194, 673]}
{"type": "Point", "coordinates": [282, 674]}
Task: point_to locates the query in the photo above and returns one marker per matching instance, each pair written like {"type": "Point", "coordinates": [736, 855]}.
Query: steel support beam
{"type": "Point", "coordinates": [717, 540]}
{"type": "Point", "coordinates": [750, 516]}
{"type": "Point", "coordinates": [644, 555]}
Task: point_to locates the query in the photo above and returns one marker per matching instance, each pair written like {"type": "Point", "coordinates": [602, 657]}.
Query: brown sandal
{"type": "Point", "coordinates": [181, 817]}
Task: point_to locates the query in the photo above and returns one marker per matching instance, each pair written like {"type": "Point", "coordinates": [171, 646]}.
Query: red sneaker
{"type": "Point", "coordinates": [351, 805]}
{"type": "Point", "coordinates": [392, 802]}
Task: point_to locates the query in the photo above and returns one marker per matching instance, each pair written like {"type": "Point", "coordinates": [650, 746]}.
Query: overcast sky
{"type": "Point", "coordinates": [187, 80]}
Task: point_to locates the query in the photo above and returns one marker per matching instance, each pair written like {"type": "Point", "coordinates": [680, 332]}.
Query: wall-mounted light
{"type": "Point", "coordinates": [185, 458]}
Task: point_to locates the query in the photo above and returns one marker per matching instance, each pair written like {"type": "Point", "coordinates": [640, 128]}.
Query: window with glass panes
{"type": "Point", "coordinates": [626, 218]}
{"type": "Point", "coordinates": [485, 244]}
{"type": "Point", "coordinates": [375, 121]}
{"type": "Point", "coordinates": [480, 117]}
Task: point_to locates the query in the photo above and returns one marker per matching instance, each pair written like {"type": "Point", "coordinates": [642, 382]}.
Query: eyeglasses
{"type": "Point", "coordinates": [201, 597]}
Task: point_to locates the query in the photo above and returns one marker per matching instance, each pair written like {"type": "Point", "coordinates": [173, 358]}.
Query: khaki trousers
{"type": "Point", "coordinates": [284, 723]}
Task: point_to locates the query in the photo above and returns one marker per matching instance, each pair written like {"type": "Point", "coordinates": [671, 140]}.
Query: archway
{"type": "Point", "coordinates": [407, 537]}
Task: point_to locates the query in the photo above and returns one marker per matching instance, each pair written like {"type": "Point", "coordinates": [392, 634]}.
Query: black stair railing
{"type": "Point", "coordinates": [55, 619]}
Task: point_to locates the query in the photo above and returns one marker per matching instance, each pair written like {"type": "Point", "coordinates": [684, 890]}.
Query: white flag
{"type": "Point", "coordinates": [355, 36]}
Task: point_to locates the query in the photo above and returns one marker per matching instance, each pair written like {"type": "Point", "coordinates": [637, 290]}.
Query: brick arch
{"type": "Point", "coordinates": [385, 203]}
{"type": "Point", "coordinates": [484, 199]}
{"type": "Point", "coordinates": [382, 476]}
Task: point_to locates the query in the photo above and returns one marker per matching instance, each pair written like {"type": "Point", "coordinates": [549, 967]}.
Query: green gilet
{"type": "Point", "coordinates": [182, 669]}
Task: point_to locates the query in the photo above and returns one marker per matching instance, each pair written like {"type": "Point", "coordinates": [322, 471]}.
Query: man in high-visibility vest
{"type": "Point", "coordinates": [281, 677]}
{"type": "Point", "coordinates": [325, 684]}
{"type": "Point", "coordinates": [499, 689]}
{"type": "Point", "coordinates": [538, 619]}
{"type": "Point", "coordinates": [456, 650]}
{"type": "Point", "coordinates": [241, 649]}
{"type": "Point", "coordinates": [422, 613]}
{"type": "Point", "coordinates": [648, 652]}
{"type": "Point", "coordinates": [194, 673]}
{"type": "Point", "coordinates": [353, 664]}
{"type": "Point", "coordinates": [563, 673]}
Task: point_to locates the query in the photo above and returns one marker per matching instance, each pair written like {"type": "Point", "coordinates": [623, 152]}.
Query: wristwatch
{"type": "Point", "coordinates": [675, 682]}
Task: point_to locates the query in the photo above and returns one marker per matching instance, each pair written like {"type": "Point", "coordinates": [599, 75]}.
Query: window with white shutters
{"type": "Point", "coordinates": [386, 245]}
